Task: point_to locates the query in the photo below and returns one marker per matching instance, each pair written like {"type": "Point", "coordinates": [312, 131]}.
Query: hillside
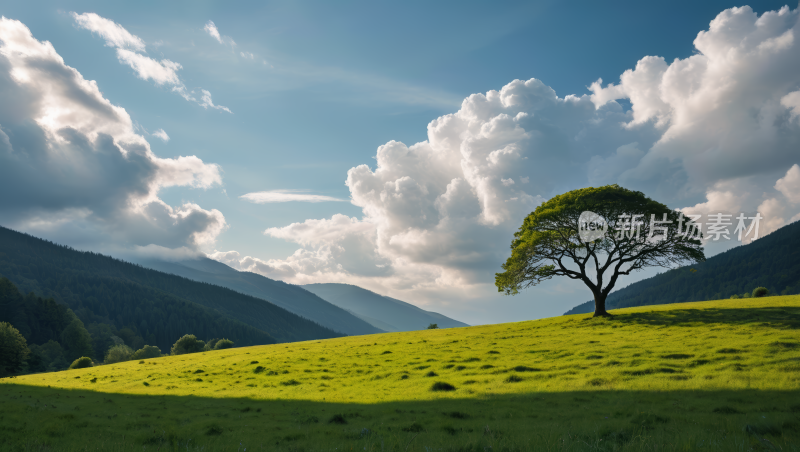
{"type": "Point", "coordinates": [772, 261]}
{"type": "Point", "coordinates": [157, 306]}
{"type": "Point", "coordinates": [727, 375]}
{"type": "Point", "coordinates": [293, 298]}
{"type": "Point", "coordinates": [386, 313]}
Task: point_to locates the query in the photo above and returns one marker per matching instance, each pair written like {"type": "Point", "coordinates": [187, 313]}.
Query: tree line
{"type": "Point", "coordinates": [40, 335]}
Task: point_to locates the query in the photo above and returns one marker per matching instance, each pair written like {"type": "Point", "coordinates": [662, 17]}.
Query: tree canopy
{"type": "Point", "coordinates": [13, 350]}
{"type": "Point", "coordinates": [628, 232]}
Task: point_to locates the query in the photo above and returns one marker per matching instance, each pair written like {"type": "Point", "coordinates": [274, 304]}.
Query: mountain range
{"type": "Point", "coordinates": [290, 297]}
{"type": "Point", "coordinates": [388, 314]}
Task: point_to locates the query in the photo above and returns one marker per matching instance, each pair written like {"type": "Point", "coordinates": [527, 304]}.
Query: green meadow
{"type": "Point", "coordinates": [719, 375]}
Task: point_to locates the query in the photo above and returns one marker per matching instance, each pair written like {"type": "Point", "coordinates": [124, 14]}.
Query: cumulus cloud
{"type": "Point", "coordinates": [77, 167]}
{"type": "Point", "coordinates": [710, 133]}
{"type": "Point", "coordinates": [789, 185]}
{"type": "Point", "coordinates": [265, 197]}
{"type": "Point", "coordinates": [161, 134]}
{"type": "Point", "coordinates": [130, 49]}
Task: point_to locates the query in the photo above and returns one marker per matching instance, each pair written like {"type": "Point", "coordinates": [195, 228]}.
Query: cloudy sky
{"type": "Point", "coordinates": [396, 146]}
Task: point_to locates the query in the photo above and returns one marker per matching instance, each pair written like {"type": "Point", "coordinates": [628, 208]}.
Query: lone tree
{"type": "Point", "coordinates": [623, 231]}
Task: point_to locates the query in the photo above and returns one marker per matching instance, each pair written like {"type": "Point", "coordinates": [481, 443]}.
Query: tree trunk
{"type": "Point", "coordinates": [600, 305]}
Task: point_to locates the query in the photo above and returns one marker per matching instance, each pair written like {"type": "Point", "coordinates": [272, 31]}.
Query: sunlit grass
{"type": "Point", "coordinates": [667, 368]}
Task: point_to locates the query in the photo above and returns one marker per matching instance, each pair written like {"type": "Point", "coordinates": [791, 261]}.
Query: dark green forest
{"type": "Point", "coordinates": [773, 261]}
{"type": "Point", "coordinates": [113, 300]}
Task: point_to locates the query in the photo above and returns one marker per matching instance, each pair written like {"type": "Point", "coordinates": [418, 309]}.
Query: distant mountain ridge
{"type": "Point", "coordinates": [382, 312]}
{"type": "Point", "coordinates": [773, 261]}
{"type": "Point", "coordinates": [293, 298]}
{"type": "Point", "coordinates": [159, 306]}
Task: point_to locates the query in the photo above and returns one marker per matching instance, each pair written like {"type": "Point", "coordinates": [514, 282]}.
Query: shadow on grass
{"type": "Point", "coordinates": [776, 317]}
{"type": "Point", "coordinates": [39, 418]}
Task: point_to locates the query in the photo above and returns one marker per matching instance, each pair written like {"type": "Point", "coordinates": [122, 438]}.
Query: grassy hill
{"type": "Point", "coordinates": [772, 261]}
{"type": "Point", "coordinates": [721, 375]}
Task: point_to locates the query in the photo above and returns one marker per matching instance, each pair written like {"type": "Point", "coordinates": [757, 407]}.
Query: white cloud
{"type": "Point", "coordinates": [264, 197]}
{"type": "Point", "coordinates": [164, 72]}
{"type": "Point", "coordinates": [206, 102]}
{"type": "Point", "coordinates": [114, 34]}
{"type": "Point", "coordinates": [212, 31]}
{"type": "Point", "coordinates": [789, 185]}
{"type": "Point", "coordinates": [161, 72]}
{"type": "Point", "coordinates": [78, 168]}
{"type": "Point", "coordinates": [161, 134]}
{"type": "Point", "coordinates": [248, 55]}
{"type": "Point", "coordinates": [709, 131]}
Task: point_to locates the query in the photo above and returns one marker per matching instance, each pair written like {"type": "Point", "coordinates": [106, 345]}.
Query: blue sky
{"type": "Point", "coordinates": [314, 88]}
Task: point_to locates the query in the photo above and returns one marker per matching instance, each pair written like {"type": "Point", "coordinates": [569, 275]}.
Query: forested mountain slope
{"type": "Point", "coordinates": [772, 261]}
{"type": "Point", "coordinates": [385, 313]}
{"type": "Point", "coordinates": [288, 296]}
{"type": "Point", "coordinates": [101, 289]}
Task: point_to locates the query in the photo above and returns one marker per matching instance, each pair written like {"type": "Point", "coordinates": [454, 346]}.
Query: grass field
{"type": "Point", "coordinates": [721, 375]}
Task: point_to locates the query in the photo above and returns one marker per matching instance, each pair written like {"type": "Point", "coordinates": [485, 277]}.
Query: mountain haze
{"type": "Point", "coordinates": [772, 261]}
{"type": "Point", "coordinates": [382, 312]}
{"type": "Point", "coordinates": [293, 298]}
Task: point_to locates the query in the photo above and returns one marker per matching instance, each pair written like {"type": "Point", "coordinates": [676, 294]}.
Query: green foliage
{"type": "Point", "coordinates": [13, 350]}
{"type": "Point", "coordinates": [548, 243]}
{"type": "Point", "coordinates": [760, 292]}
{"type": "Point", "coordinates": [433, 326]}
{"type": "Point", "coordinates": [187, 344]}
{"type": "Point", "coordinates": [118, 354]}
{"type": "Point", "coordinates": [76, 340]}
{"type": "Point", "coordinates": [148, 351]}
{"type": "Point", "coordinates": [222, 344]}
{"type": "Point", "coordinates": [81, 363]}
{"type": "Point", "coordinates": [210, 344]}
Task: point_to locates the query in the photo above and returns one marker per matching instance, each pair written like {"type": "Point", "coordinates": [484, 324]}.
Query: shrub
{"type": "Point", "coordinates": [13, 350]}
{"type": "Point", "coordinates": [431, 374]}
{"type": "Point", "coordinates": [746, 295]}
{"type": "Point", "coordinates": [222, 344]}
{"type": "Point", "coordinates": [118, 354]}
{"type": "Point", "coordinates": [442, 386]}
{"type": "Point", "coordinates": [148, 351]}
{"type": "Point", "coordinates": [760, 292]}
{"type": "Point", "coordinates": [337, 419]}
{"type": "Point", "coordinates": [735, 297]}
{"type": "Point", "coordinates": [187, 344]}
{"type": "Point", "coordinates": [81, 363]}
{"type": "Point", "coordinates": [433, 326]}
